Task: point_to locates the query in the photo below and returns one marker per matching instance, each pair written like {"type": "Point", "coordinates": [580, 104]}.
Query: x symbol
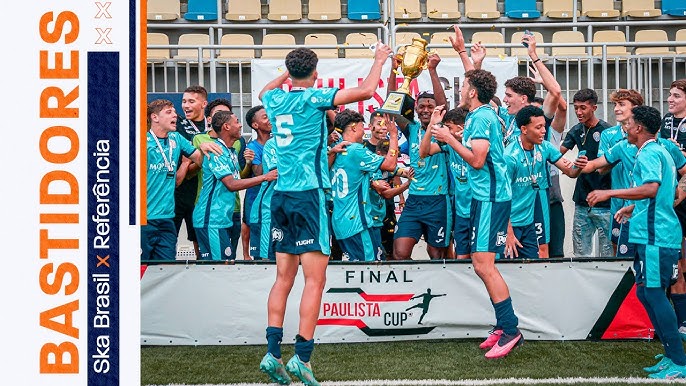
{"type": "Point", "coordinates": [103, 10]}
{"type": "Point", "coordinates": [103, 261]}
{"type": "Point", "coordinates": [104, 35]}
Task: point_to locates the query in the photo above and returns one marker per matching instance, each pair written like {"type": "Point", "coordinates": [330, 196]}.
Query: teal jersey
{"type": "Point", "coordinates": [527, 170]}
{"type": "Point", "coordinates": [508, 121]}
{"type": "Point", "coordinates": [654, 221]}
{"type": "Point", "coordinates": [675, 151]}
{"type": "Point", "coordinates": [215, 204]}
{"type": "Point", "coordinates": [430, 173]}
{"type": "Point", "coordinates": [299, 126]}
{"type": "Point", "coordinates": [461, 190]}
{"type": "Point", "coordinates": [490, 182]}
{"type": "Point", "coordinates": [352, 171]}
{"type": "Point", "coordinates": [261, 208]}
{"type": "Point", "coordinates": [377, 204]}
{"type": "Point", "coordinates": [609, 138]}
{"type": "Point", "coordinates": [160, 181]}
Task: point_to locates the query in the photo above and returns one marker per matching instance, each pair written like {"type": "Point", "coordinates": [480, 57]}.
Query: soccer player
{"type": "Point", "coordinates": [164, 148]}
{"type": "Point", "coordinates": [482, 149]}
{"type": "Point", "coordinates": [257, 119]}
{"type": "Point", "coordinates": [299, 216]}
{"type": "Point", "coordinates": [221, 179]}
{"type": "Point", "coordinates": [655, 231]}
{"type": "Point", "coordinates": [261, 245]}
{"type": "Point", "coordinates": [427, 210]}
{"type": "Point", "coordinates": [588, 220]}
{"type": "Point", "coordinates": [527, 160]}
{"type": "Point", "coordinates": [352, 171]}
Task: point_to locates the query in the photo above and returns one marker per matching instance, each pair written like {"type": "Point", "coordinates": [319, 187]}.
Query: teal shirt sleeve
{"type": "Point", "coordinates": [675, 152]}
{"type": "Point", "coordinates": [613, 154]}
{"type": "Point", "coordinates": [185, 145]}
{"type": "Point", "coordinates": [481, 128]}
{"type": "Point", "coordinates": [369, 162]}
{"type": "Point", "coordinates": [604, 145]}
{"type": "Point", "coordinates": [650, 168]}
{"type": "Point", "coordinates": [221, 166]}
{"type": "Point", "coordinates": [550, 152]}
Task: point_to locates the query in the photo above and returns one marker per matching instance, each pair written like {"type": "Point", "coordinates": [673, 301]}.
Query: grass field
{"type": "Point", "coordinates": [417, 360]}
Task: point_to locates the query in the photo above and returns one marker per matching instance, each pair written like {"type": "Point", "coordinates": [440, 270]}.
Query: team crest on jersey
{"type": "Point", "coordinates": [277, 234]}
{"type": "Point", "coordinates": [596, 136]}
{"type": "Point", "coordinates": [682, 128]}
{"type": "Point", "coordinates": [501, 238]}
{"type": "Point", "coordinates": [538, 156]}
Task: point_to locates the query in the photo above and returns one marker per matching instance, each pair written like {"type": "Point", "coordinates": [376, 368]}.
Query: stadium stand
{"type": "Point", "coordinates": [521, 52]}
{"type": "Point", "coordinates": [157, 55]}
{"type": "Point", "coordinates": [521, 9]}
{"type": "Point", "coordinates": [363, 10]}
{"type": "Point", "coordinates": [652, 35]}
{"type": "Point", "coordinates": [481, 9]}
{"type": "Point", "coordinates": [443, 38]}
{"type": "Point", "coordinates": [277, 40]}
{"type": "Point", "coordinates": [364, 38]}
{"type": "Point", "coordinates": [201, 10]}
{"type": "Point", "coordinates": [244, 10]}
{"type": "Point", "coordinates": [236, 53]}
{"type": "Point", "coordinates": [490, 37]}
{"type": "Point", "coordinates": [563, 53]}
{"type": "Point", "coordinates": [190, 55]}
{"type": "Point", "coordinates": [285, 10]}
{"type": "Point", "coordinates": [598, 9]}
{"type": "Point", "coordinates": [323, 38]}
{"type": "Point", "coordinates": [328, 10]}
{"type": "Point", "coordinates": [159, 10]}
{"type": "Point", "coordinates": [407, 9]}
{"type": "Point", "coordinates": [442, 9]}
{"type": "Point", "coordinates": [405, 38]}
{"type": "Point", "coordinates": [610, 37]}
{"type": "Point", "coordinates": [559, 9]}
{"type": "Point", "coordinates": [640, 8]}
{"type": "Point", "coordinates": [681, 37]}
{"type": "Point", "coordinates": [674, 7]}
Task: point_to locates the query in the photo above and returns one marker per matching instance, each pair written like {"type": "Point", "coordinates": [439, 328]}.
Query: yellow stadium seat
{"type": "Point", "coordinates": [276, 40]}
{"type": "Point", "coordinates": [521, 51]}
{"type": "Point", "coordinates": [559, 9]}
{"type": "Point", "coordinates": [191, 54]}
{"type": "Point", "coordinates": [321, 39]}
{"type": "Point", "coordinates": [324, 10]}
{"type": "Point", "coordinates": [163, 9]}
{"type": "Point", "coordinates": [610, 37]}
{"type": "Point", "coordinates": [244, 10]}
{"type": "Point", "coordinates": [405, 38]}
{"type": "Point", "coordinates": [490, 37]}
{"type": "Point", "coordinates": [481, 9]}
{"type": "Point", "coordinates": [407, 10]}
{"type": "Point", "coordinates": [640, 8]}
{"type": "Point", "coordinates": [442, 9]}
{"type": "Point", "coordinates": [652, 35]}
{"type": "Point", "coordinates": [599, 8]}
{"type": "Point", "coordinates": [237, 53]}
{"type": "Point", "coordinates": [565, 53]}
{"type": "Point", "coordinates": [157, 54]}
{"type": "Point", "coordinates": [285, 10]}
{"type": "Point", "coordinates": [366, 39]}
{"type": "Point", "coordinates": [681, 37]}
{"type": "Point", "coordinates": [443, 38]}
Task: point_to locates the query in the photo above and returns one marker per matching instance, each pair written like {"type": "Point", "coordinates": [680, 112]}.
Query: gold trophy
{"type": "Point", "coordinates": [413, 60]}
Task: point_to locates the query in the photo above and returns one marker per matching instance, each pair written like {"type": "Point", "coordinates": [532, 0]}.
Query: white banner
{"type": "Point", "coordinates": [227, 304]}
{"type": "Point", "coordinates": [347, 73]}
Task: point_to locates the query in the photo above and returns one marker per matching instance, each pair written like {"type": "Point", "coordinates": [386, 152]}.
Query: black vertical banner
{"type": "Point", "coordinates": [103, 218]}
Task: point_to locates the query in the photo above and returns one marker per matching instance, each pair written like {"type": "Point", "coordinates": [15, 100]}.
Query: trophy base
{"type": "Point", "coordinates": [397, 103]}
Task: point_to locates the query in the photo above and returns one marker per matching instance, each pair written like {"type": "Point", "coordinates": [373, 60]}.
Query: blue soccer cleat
{"type": "Point", "coordinates": [671, 372]}
{"type": "Point", "coordinates": [659, 366]}
{"type": "Point", "coordinates": [301, 370]}
{"type": "Point", "coordinates": [275, 369]}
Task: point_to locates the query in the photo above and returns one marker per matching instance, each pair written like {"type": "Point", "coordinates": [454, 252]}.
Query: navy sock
{"type": "Point", "coordinates": [303, 348]}
{"type": "Point", "coordinates": [679, 301]}
{"type": "Point", "coordinates": [641, 295]}
{"type": "Point", "coordinates": [505, 316]}
{"type": "Point", "coordinates": [274, 337]}
{"type": "Point", "coordinates": [666, 319]}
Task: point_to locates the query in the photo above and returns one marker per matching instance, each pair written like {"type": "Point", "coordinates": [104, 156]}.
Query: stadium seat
{"type": "Point", "coordinates": [405, 38]}
{"type": "Point", "coordinates": [521, 9]}
{"type": "Point", "coordinates": [521, 51]}
{"type": "Point", "coordinates": [191, 54]}
{"type": "Point", "coordinates": [275, 40]}
{"type": "Point", "coordinates": [681, 37]}
{"type": "Point", "coordinates": [244, 10]}
{"type": "Point", "coordinates": [610, 37]}
{"type": "Point", "coordinates": [407, 10]}
{"type": "Point", "coordinates": [367, 39]}
{"type": "Point", "coordinates": [163, 9]}
{"type": "Point", "coordinates": [599, 8]}
{"type": "Point", "coordinates": [236, 53]}
{"type": "Point", "coordinates": [559, 9]}
{"type": "Point", "coordinates": [442, 9]}
{"type": "Point", "coordinates": [490, 37]}
{"type": "Point", "coordinates": [443, 38]}
{"type": "Point", "coordinates": [324, 10]}
{"type": "Point", "coordinates": [652, 35]}
{"type": "Point", "coordinates": [481, 9]}
{"type": "Point", "coordinates": [363, 10]}
{"type": "Point", "coordinates": [674, 7]}
{"type": "Point", "coordinates": [285, 10]}
{"type": "Point", "coordinates": [157, 55]}
{"type": "Point", "coordinates": [201, 10]}
{"type": "Point", "coordinates": [640, 8]}
{"type": "Point", "coordinates": [320, 39]}
{"type": "Point", "coordinates": [566, 53]}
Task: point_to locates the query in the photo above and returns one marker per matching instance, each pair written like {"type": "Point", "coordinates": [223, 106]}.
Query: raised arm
{"type": "Point", "coordinates": [369, 85]}
{"type": "Point", "coordinates": [240, 184]}
{"type": "Point", "coordinates": [439, 92]}
{"type": "Point", "coordinates": [543, 75]}
{"type": "Point", "coordinates": [276, 82]}
{"type": "Point", "coordinates": [426, 147]}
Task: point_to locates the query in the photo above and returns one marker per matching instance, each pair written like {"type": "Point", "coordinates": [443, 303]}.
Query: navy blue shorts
{"type": "Point", "coordinates": [542, 217]}
{"type": "Point", "coordinates": [624, 247]}
{"type": "Point", "coordinates": [489, 225]}
{"type": "Point", "coordinates": [158, 240]}
{"type": "Point", "coordinates": [375, 233]}
{"type": "Point", "coordinates": [362, 246]}
{"type": "Point", "coordinates": [300, 222]}
{"type": "Point", "coordinates": [215, 244]}
{"type": "Point", "coordinates": [428, 216]}
{"type": "Point", "coordinates": [235, 230]}
{"type": "Point", "coordinates": [462, 230]}
{"type": "Point", "coordinates": [261, 246]}
{"type": "Point", "coordinates": [615, 230]}
{"type": "Point", "coordinates": [656, 267]}
{"type": "Point", "coordinates": [527, 236]}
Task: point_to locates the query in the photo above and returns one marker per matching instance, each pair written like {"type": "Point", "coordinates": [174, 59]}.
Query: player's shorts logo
{"type": "Point", "coordinates": [277, 234]}
{"type": "Point", "coordinates": [227, 251]}
{"type": "Point", "coordinates": [615, 232]}
{"type": "Point", "coordinates": [345, 256]}
{"type": "Point", "coordinates": [623, 248]}
{"type": "Point", "coordinates": [501, 238]}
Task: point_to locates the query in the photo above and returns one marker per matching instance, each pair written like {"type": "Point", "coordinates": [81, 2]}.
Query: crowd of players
{"type": "Point", "coordinates": [483, 184]}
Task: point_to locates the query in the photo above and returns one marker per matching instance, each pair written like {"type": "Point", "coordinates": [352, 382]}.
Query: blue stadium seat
{"type": "Point", "coordinates": [674, 7]}
{"type": "Point", "coordinates": [201, 10]}
{"type": "Point", "coordinates": [521, 9]}
{"type": "Point", "coordinates": [363, 10]}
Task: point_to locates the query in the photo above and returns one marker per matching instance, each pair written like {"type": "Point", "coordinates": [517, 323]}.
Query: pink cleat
{"type": "Point", "coordinates": [504, 345]}
{"type": "Point", "coordinates": [492, 339]}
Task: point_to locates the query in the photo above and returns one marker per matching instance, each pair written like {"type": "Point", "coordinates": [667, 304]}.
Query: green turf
{"type": "Point", "coordinates": [444, 359]}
